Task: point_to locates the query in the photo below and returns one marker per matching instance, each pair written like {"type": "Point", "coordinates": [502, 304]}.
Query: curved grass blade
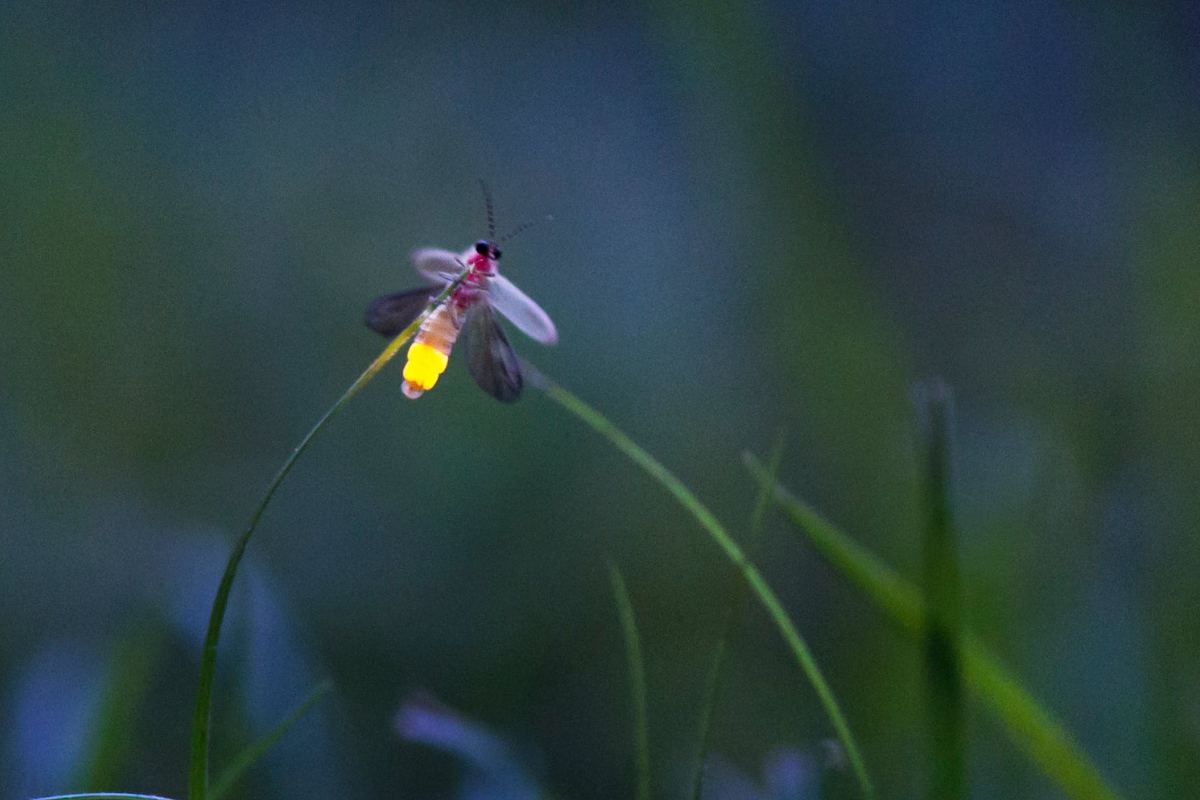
{"type": "Point", "coordinates": [733, 616]}
{"type": "Point", "coordinates": [1030, 726]}
{"type": "Point", "coordinates": [258, 748]}
{"type": "Point", "coordinates": [202, 717]}
{"type": "Point", "coordinates": [729, 547]}
{"type": "Point", "coordinates": [104, 796]}
{"type": "Point", "coordinates": [943, 663]}
{"type": "Point", "coordinates": [637, 681]}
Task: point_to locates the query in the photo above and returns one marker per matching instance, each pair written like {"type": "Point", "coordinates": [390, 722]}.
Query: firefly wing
{"type": "Point", "coordinates": [437, 265]}
{"type": "Point", "coordinates": [519, 309]}
{"type": "Point", "coordinates": [490, 358]}
{"type": "Point", "coordinates": [392, 313]}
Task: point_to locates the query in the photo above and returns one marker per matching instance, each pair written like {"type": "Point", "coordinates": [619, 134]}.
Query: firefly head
{"type": "Point", "coordinates": [488, 249]}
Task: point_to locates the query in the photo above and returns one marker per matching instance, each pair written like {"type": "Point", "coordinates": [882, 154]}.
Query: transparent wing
{"type": "Point", "coordinates": [516, 306]}
{"type": "Point", "coordinates": [392, 313]}
{"type": "Point", "coordinates": [490, 358]}
{"type": "Point", "coordinates": [435, 264]}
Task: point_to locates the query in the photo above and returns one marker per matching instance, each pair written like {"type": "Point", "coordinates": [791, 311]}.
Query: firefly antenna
{"type": "Point", "coordinates": [491, 216]}
{"type": "Point", "coordinates": [522, 227]}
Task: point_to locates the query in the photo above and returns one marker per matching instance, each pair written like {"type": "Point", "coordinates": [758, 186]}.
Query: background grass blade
{"type": "Point", "coordinates": [943, 597]}
{"type": "Point", "coordinates": [126, 684]}
{"type": "Point", "coordinates": [202, 716]}
{"type": "Point", "coordinates": [637, 682]}
{"type": "Point", "coordinates": [258, 748]}
{"type": "Point", "coordinates": [1030, 726]}
{"type": "Point", "coordinates": [733, 616]}
{"type": "Point", "coordinates": [754, 579]}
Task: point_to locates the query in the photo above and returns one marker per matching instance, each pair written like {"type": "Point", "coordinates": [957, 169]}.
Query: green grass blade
{"type": "Point", "coordinates": [899, 598]}
{"type": "Point", "coordinates": [733, 616]}
{"type": "Point", "coordinates": [943, 597]}
{"type": "Point", "coordinates": [125, 687]}
{"type": "Point", "coordinates": [637, 681]}
{"type": "Point", "coordinates": [1030, 726]}
{"type": "Point", "coordinates": [258, 748]}
{"type": "Point", "coordinates": [754, 579]}
{"type": "Point", "coordinates": [202, 716]}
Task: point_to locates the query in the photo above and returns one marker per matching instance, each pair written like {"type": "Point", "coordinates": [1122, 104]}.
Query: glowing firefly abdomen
{"type": "Point", "coordinates": [430, 351]}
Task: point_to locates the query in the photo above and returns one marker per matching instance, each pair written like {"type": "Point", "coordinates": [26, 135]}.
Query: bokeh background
{"type": "Point", "coordinates": [765, 215]}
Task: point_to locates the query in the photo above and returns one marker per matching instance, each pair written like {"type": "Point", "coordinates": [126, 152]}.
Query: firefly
{"type": "Point", "coordinates": [472, 308]}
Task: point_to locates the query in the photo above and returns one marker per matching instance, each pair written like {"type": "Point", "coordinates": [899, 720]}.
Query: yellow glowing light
{"type": "Point", "coordinates": [425, 365]}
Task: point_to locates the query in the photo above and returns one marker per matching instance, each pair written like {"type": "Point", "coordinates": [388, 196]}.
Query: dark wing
{"type": "Point", "coordinates": [490, 358]}
{"type": "Point", "coordinates": [392, 313]}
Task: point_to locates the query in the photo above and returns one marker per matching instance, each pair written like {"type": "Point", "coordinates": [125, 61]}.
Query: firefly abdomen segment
{"type": "Point", "coordinates": [430, 351]}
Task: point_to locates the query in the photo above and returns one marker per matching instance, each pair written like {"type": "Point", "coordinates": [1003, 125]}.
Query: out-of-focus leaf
{"type": "Point", "coordinates": [1029, 725]}
{"type": "Point", "coordinates": [943, 663]}
{"type": "Point", "coordinates": [493, 771]}
{"type": "Point", "coordinates": [115, 723]}
{"type": "Point", "coordinates": [637, 681]}
{"type": "Point", "coordinates": [46, 725]}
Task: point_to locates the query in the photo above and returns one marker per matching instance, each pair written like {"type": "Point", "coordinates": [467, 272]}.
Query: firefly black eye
{"type": "Point", "coordinates": [481, 247]}
{"type": "Point", "coordinates": [496, 253]}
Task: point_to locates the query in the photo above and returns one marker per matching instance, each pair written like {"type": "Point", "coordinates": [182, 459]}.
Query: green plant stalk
{"type": "Point", "coordinates": [943, 596]}
{"type": "Point", "coordinates": [258, 748]}
{"type": "Point", "coordinates": [733, 616]}
{"type": "Point", "coordinates": [1030, 726]}
{"type": "Point", "coordinates": [637, 681]}
{"type": "Point", "coordinates": [201, 719]}
{"type": "Point", "coordinates": [729, 547]}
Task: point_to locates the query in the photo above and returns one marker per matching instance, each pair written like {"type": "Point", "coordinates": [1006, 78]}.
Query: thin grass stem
{"type": "Point", "coordinates": [733, 616]}
{"type": "Point", "coordinates": [202, 717]}
{"type": "Point", "coordinates": [716, 531]}
{"type": "Point", "coordinates": [1029, 725]}
{"type": "Point", "coordinates": [258, 748]}
{"type": "Point", "coordinates": [637, 681]}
